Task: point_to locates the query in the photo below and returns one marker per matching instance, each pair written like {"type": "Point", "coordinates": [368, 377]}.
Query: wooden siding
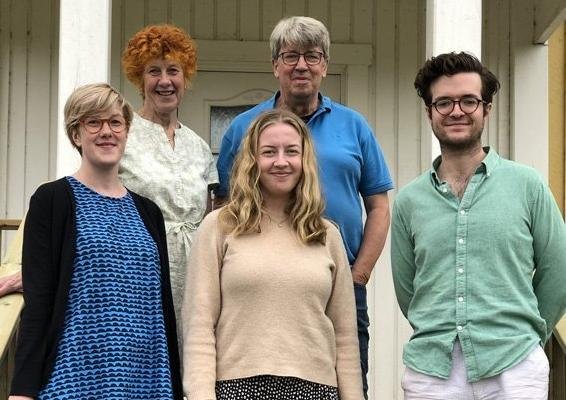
{"type": "Point", "coordinates": [496, 55]}
{"type": "Point", "coordinates": [519, 120]}
{"type": "Point", "coordinates": [28, 102]}
{"type": "Point", "coordinates": [405, 136]}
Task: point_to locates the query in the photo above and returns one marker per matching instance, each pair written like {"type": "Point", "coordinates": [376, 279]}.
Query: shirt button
{"type": "Point", "coordinates": [459, 327]}
{"type": "Point", "coordinates": [460, 299]}
{"type": "Point", "coordinates": [463, 212]}
{"type": "Point", "coordinates": [461, 241]}
{"type": "Point", "coordinates": [460, 270]}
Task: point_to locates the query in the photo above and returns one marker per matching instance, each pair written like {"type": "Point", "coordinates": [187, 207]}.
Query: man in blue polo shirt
{"type": "Point", "coordinates": [350, 160]}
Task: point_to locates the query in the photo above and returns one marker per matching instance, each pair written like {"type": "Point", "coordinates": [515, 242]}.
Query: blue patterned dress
{"type": "Point", "coordinates": [113, 344]}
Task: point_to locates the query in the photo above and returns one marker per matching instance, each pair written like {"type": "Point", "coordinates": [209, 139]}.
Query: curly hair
{"type": "Point", "coordinates": [449, 64]}
{"type": "Point", "coordinates": [244, 211]}
{"type": "Point", "coordinates": [91, 100]}
{"type": "Point", "coordinates": [159, 41]}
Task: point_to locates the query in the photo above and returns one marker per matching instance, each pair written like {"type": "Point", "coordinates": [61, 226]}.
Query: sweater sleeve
{"type": "Point", "coordinates": [200, 312]}
{"type": "Point", "coordinates": [40, 286]}
{"type": "Point", "coordinates": [341, 309]}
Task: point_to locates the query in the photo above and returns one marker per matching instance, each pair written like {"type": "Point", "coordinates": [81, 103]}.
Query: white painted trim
{"type": "Point", "coordinates": [84, 57]}
{"type": "Point", "coordinates": [549, 14]}
{"type": "Point", "coordinates": [529, 101]}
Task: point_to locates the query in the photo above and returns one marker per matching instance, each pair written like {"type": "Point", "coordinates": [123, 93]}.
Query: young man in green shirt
{"type": "Point", "coordinates": [478, 253]}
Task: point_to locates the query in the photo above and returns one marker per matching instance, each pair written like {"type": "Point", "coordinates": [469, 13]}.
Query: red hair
{"type": "Point", "coordinates": [165, 41]}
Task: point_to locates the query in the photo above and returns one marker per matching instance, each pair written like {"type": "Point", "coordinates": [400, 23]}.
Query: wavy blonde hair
{"type": "Point", "coordinates": [244, 210]}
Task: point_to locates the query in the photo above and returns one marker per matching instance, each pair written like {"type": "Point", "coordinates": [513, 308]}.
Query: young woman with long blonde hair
{"type": "Point", "coordinates": [269, 302]}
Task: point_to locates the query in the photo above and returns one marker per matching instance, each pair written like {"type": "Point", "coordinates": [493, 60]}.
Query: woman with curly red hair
{"type": "Point", "coordinates": [164, 159]}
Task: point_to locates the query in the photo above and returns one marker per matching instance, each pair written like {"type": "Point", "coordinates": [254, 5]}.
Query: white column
{"type": "Point", "coordinates": [84, 57]}
{"type": "Point", "coordinates": [455, 25]}
{"type": "Point", "coordinates": [529, 92]}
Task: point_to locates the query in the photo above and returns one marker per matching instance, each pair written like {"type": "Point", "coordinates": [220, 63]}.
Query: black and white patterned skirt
{"type": "Point", "coordinates": [267, 387]}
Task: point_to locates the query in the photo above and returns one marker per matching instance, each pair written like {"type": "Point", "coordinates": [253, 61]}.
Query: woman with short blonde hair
{"type": "Point", "coordinates": [98, 321]}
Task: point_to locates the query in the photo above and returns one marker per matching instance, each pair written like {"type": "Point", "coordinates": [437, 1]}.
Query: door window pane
{"type": "Point", "coordinates": [220, 119]}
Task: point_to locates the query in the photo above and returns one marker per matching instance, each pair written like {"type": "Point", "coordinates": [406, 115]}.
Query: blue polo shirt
{"type": "Point", "coordinates": [351, 163]}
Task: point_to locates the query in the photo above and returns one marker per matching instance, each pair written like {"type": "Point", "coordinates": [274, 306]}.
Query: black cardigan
{"type": "Point", "coordinates": [47, 265]}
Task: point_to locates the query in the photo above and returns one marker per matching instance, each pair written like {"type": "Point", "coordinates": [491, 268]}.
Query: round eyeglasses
{"type": "Point", "coordinates": [310, 57]}
{"type": "Point", "coordinates": [468, 104]}
{"type": "Point", "coordinates": [94, 125]}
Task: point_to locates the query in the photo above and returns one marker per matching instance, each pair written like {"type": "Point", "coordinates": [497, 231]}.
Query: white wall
{"type": "Point", "coordinates": [28, 100]}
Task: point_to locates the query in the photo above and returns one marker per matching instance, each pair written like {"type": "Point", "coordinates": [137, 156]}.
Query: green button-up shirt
{"type": "Point", "coordinates": [489, 268]}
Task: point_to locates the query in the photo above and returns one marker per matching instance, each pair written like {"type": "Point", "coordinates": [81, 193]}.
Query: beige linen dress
{"type": "Point", "coordinates": [177, 181]}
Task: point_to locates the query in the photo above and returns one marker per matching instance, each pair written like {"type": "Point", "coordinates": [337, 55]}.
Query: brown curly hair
{"type": "Point", "coordinates": [159, 41]}
{"type": "Point", "coordinates": [449, 64]}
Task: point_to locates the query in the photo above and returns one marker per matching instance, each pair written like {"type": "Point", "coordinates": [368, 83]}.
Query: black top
{"type": "Point", "coordinates": [47, 266]}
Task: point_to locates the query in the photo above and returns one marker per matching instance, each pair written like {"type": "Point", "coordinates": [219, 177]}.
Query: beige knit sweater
{"type": "Point", "coordinates": [267, 304]}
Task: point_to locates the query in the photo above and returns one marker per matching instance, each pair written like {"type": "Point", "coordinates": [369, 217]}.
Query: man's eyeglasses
{"type": "Point", "coordinates": [310, 57]}
{"type": "Point", "coordinates": [468, 105]}
{"type": "Point", "coordinates": [94, 125]}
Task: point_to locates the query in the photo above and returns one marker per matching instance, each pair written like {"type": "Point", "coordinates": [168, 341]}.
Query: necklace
{"type": "Point", "coordinates": [279, 223]}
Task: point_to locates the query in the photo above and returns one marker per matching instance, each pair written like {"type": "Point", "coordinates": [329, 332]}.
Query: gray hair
{"type": "Point", "coordinates": [303, 32]}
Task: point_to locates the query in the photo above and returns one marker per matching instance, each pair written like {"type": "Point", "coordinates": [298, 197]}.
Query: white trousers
{"type": "Point", "coordinates": [527, 380]}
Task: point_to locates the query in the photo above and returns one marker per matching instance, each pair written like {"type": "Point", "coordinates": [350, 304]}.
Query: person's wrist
{"type": "Point", "coordinates": [360, 277]}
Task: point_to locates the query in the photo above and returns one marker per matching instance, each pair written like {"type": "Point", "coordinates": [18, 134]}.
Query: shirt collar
{"type": "Point", "coordinates": [324, 102]}
{"type": "Point", "coordinates": [488, 164]}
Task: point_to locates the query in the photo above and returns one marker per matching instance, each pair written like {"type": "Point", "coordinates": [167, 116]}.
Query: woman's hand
{"type": "Point", "coordinates": [11, 283]}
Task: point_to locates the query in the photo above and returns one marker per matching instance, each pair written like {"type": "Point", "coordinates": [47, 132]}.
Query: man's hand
{"type": "Point", "coordinates": [373, 240]}
{"type": "Point", "coordinates": [10, 284]}
{"type": "Point", "coordinates": [360, 277]}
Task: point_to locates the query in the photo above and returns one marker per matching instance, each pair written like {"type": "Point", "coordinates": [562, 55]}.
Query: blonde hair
{"type": "Point", "coordinates": [91, 100]}
{"type": "Point", "coordinates": [244, 211]}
